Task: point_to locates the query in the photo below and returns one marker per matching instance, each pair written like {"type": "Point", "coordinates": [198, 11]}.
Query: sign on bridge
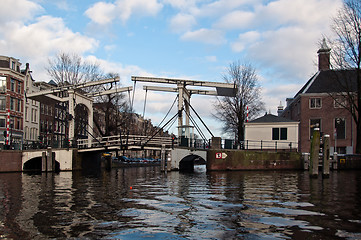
{"type": "Point", "coordinates": [220, 155]}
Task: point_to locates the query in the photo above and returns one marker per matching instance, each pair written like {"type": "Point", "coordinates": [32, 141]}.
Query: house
{"type": "Point", "coordinates": [31, 110]}
{"type": "Point", "coordinates": [271, 132]}
{"type": "Point", "coordinates": [319, 103]}
{"type": "Point", "coordinates": [11, 102]}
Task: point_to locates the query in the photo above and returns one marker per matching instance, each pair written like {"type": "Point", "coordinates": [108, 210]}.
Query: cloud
{"type": "Point", "coordinates": [182, 23]}
{"type": "Point", "coordinates": [244, 40]}
{"type": "Point", "coordinates": [104, 12]}
{"type": "Point", "coordinates": [276, 94]}
{"type": "Point", "coordinates": [64, 5]}
{"type": "Point", "coordinates": [33, 39]}
{"type": "Point", "coordinates": [208, 36]}
{"type": "Point", "coordinates": [235, 20]}
{"type": "Point", "coordinates": [18, 10]}
{"type": "Point", "coordinates": [211, 58]}
{"type": "Point", "coordinates": [314, 13]}
{"type": "Point", "coordinates": [45, 36]}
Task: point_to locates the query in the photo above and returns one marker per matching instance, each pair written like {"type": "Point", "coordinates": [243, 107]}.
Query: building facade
{"type": "Point", "coordinates": [271, 132]}
{"type": "Point", "coordinates": [53, 122]}
{"type": "Point", "coordinates": [11, 102]}
{"type": "Point", "coordinates": [31, 111]}
{"type": "Point", "coordinates": [319, 103]}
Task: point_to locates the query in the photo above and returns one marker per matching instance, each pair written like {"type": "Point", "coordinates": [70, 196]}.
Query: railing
{"type": "Point", "coordinates": [269, 145]}
{"type": "Point", "coordinates": [125, 140]}
{"type": "Point", "coordinates": [260, 145]}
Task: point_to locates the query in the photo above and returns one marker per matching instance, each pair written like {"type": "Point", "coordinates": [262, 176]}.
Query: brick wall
{"type": "Point", "coordinates": [10, 161]}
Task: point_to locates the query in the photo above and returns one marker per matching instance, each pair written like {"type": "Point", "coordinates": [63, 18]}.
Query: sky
{"type": "Point", "coordinates": [188, 39]}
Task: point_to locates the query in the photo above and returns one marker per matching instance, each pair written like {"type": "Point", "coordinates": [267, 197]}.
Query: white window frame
{"type": "Point", "coordinates": [316, 106]}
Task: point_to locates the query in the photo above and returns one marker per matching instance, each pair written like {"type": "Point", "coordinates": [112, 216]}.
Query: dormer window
{"type": "Point", "coordinates": [13, 65]}
{"type": "Point", "coordinates": [315, 103]}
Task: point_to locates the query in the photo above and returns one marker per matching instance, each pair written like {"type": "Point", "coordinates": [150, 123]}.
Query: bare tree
{"type": "Point", "coordinates": [67, 68]}
{"type": "Point", "coordinates": [232, 111]}
{"type": "Point", "coordinates": [346, 60]}
{"type": "Point", "coordinates": [113, 110]}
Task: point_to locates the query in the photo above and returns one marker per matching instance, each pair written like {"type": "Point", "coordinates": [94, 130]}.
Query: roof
{"type": "Point", "coordinates": [270, 118]}
{"type": "Point", "coordinates": [330, 81]}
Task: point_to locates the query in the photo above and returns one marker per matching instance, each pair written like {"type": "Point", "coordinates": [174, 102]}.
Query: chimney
{"type": "Point", "coordinates": [279, 109]}
{"type": "Point", "coordinates": [324, 56]}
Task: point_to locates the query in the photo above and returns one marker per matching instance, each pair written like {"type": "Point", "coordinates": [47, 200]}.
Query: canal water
{"type": "Point", "coordinates": [144, 203]}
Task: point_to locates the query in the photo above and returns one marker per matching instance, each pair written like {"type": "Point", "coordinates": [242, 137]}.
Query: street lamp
{"type": "Point", "coordinates": [338, 121]}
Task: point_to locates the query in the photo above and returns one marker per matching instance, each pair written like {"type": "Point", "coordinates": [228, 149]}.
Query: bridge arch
{"type": "Point", "coordinates": [187, 163]}
{"type": "Point", "coordinates": [183, 159]}
{"type": "Point", "coordinates": [35, 164]}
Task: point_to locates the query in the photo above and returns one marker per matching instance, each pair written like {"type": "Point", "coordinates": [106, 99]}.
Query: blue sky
{"type": "Point", "coordinates": [193, 39]}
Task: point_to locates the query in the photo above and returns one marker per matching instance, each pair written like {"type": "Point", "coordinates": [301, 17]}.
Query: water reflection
{"type": "Point", "coordinates": [131, 203]}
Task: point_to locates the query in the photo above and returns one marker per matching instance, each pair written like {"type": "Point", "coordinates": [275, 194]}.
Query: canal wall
{"type": "Point", "coordinates": [348, 162]}
{"type": "Point", "coordinates": [227, 159]}
{"type": "Point", "coordinates": [10, 161]}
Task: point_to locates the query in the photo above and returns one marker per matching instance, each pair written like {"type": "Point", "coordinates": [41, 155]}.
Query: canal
{"type": "Point", "coordinates": [143, 202]}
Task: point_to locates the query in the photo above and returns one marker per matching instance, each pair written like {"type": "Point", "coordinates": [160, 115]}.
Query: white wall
{"type": "Point", "coordinates": [257, 132]}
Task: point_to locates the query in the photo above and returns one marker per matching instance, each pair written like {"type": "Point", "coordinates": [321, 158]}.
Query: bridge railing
{"type": "Point", "coordinates": [125, 140]}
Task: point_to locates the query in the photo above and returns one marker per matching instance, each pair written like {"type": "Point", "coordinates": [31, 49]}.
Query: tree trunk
{"type": "Point", "coordinates": [240, 136]}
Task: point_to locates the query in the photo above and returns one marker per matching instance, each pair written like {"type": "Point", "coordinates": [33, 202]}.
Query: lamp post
{"type": "Point", "coordinates": [338, 121]}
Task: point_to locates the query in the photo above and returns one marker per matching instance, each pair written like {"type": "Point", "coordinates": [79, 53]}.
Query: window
{"type": "Point", "coordinates": [2, 122]}
{"type": "Point", "coordinates": [275, 134]}
{"type": "Point", "coordinates": [339, 102]}
{"type": "Point", "coordinates": [26, 114]}
{"type": "Point", "coordinates": [13, 65]}
{"type": "Point", "coordinates": [2, 84]}
{"type": "Point", "coordinates": [19, 87]}
{"type": "Point", "coordinates": [17, 124]}
{"type": "Point", "coordinates": [315, 103]}
{"type": "Point", "coordinates": [12, 105]}
{"type": "Point", "coordinates": [12, 85]}
{"type": "Point", "coordinates": [283, 133]}
{"type": "Point", "coordinates": [314, 123]}
{"type": "Point", "coordinates": [2, 103]}
{"type": "Point", "coordinates": [340, 128]}
{"type": "Point", "coordinates": [35, 114]}
{"type": "Point", "coordinates": [279, 133]}
{"type": "Point", "coordinates": [18, 105]}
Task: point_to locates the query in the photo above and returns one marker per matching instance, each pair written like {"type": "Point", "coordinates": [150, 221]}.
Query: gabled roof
{"type": "Point", "coordinates": [270, 118]}
{"type": "Point", "coordinates": [330, 81]}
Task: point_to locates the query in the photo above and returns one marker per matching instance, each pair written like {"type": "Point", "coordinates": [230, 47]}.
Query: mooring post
{"type": "Point", "coordinates": [306, 161]}
{"type": "Point", "coordinates": [43, 162]}
{"type": "Point", "coordinates": [326, 156]}
{"type": "Point", "coordinates": [162, 158]}
{"type": "Point", "coordinates": [335, 160]}
{"type": "Point", "coordinates": [49, 160]}
{"type": "Point", "coordinates": [315, 149]}
{"type": "Point", "coordinates": [169, 161]}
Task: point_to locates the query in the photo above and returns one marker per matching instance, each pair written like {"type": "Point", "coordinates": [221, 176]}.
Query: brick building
{"type": "Point", "coordinates": [11, 100]}
{"type": "Point", "coordinates": [319, 104]}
